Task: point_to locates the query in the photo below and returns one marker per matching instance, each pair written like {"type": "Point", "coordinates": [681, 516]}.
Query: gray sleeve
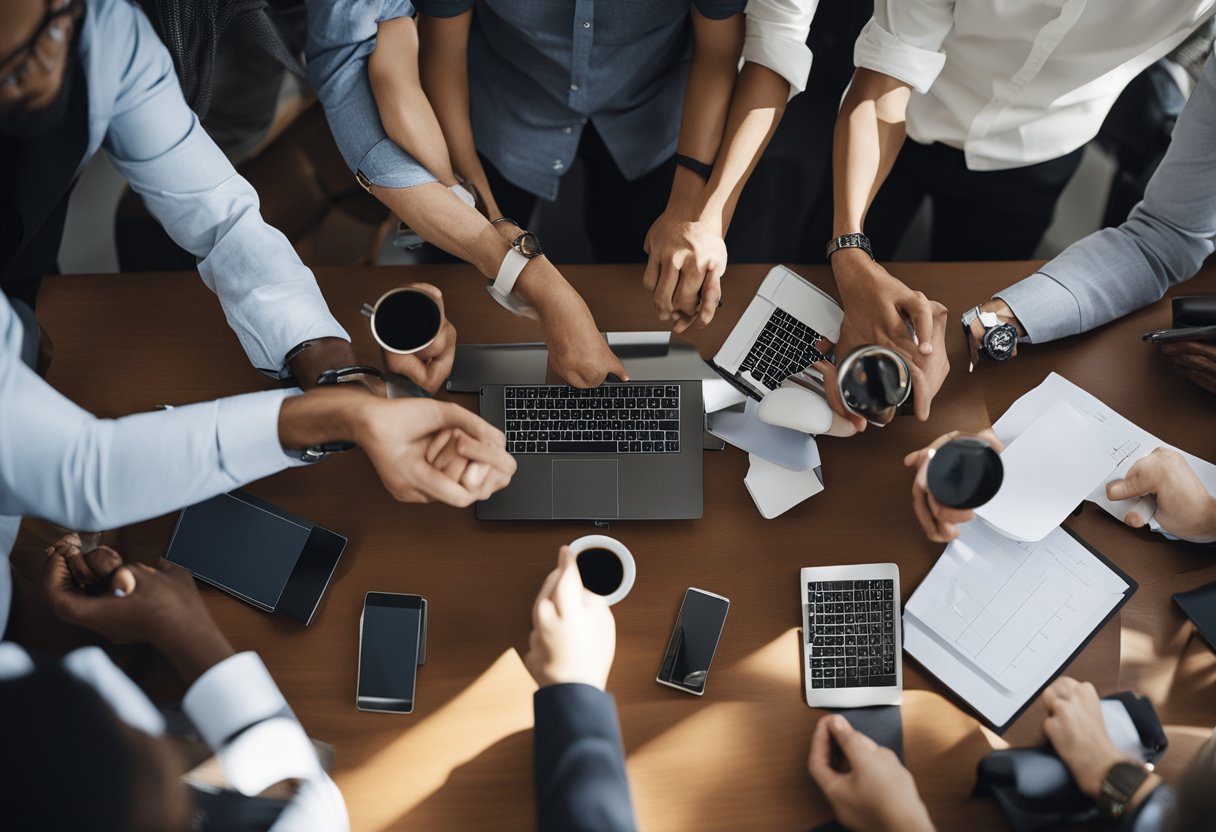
{"type": "Point", "coordinates": [1164, 241]}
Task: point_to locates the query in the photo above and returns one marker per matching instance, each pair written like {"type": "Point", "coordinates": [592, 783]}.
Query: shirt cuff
{"type": "Point", "coordinates": [388, 166]}
{"type": "Point", "coordinates": [879, 50]}
{"type": "Point", "coordinates": [247, 430]}
{"type": "Point", "coordinates": [1046, 309]}
{"type": "Point", "coordinates": [566, 712]}
{"type": "Point", "coordinates": [230, 697]}
{"type": "Point", "coordinates": [789, 59]}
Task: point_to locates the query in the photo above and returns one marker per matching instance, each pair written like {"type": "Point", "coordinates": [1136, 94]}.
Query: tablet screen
{"type": "Point", "coordinates": [239, 546]}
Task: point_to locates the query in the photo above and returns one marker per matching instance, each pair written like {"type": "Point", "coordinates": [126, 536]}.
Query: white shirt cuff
{"type": "Point", "coordinates": [791, 60]}
{"type": "Point", "coordinates": [247, 429]}
{"type": "Point", "coordinates": [231, 696]}
{"type": "Point", "coordinates": [879, 50]}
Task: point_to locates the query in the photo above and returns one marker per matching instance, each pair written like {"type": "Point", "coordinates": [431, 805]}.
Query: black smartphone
{"type": "Point", "coordinates": [1185, 333]}
{"type": "Point", "coordinates": [392, 644]}
{"type": "Point", "coordinates": [690, 651]}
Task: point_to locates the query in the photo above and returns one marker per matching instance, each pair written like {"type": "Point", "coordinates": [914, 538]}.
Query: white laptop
{"type": "Point", "coordinates": [851, 638]}
{"type": "Point", "coordinates": [789, 325]}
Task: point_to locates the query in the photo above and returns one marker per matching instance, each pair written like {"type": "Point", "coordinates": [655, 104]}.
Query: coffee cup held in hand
{"type": "Point", "coordinates": [965, 473]}
{"type": "Point", "coordinates": [404, 320]}
{"type": "Point", "coordinates": [606, 567]}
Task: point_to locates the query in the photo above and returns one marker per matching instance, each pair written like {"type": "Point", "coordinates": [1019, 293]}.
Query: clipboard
{"type": "Point", "coordinates": [1130, 590]}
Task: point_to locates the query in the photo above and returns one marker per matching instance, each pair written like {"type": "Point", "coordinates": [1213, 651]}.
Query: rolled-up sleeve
{"type": "Point", "coordinates": [904, 40]}
{"type": "Point", "coordinates": [341, 39]}
{"type": "Point", "coordinates": [776, 38]}
{"type": "Point", "coordinates": [1164, 241]}
{"type": "Point", "coordinates": [270, 298]}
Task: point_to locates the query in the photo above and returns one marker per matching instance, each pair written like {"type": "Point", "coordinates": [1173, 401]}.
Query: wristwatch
{"type": "Point", "coordinates": [523, 248]}
{"type": "Point", "coordinates": [356, 373]}
{"type": "Point", "coordinates": [854, 240]}
{"type": "Point", "coordinates": [1119, 785]}
{"type": "Point", "coordinates": [998, 341]}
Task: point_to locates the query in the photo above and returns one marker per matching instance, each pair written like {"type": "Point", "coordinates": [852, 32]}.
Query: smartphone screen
{"type": "Point", "coordinates": [694, 641]}
{"type": "Point", "coordinates": [390, 639]}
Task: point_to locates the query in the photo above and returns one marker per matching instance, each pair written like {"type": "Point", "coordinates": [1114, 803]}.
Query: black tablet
{"type": "Point", "coordinates": [1200, 606]}
{"type": "Point", "coordinates": [258, 552]}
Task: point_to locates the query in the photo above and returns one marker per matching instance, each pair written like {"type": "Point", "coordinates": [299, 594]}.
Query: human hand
{"type": "Point", "coordinates": [425, 450]}
{"type": "Point", "coordinates": [573, 632]}
{"type": "Point", "coordinates": [877, 307]}
{"type": "Point", "coordinates": [873, 791]}
{"type": "Point", "coordinates": [1185, 509]}
{"type": "Point", "coordinates": [429, 367]}
{"type": "Point", "coordinates": [939, 522]}
{"type": "Point", "coordinates": [1194, 359]}
{"type": "Point", "coordinates": [578, 352]}
{"type": "Point", "coordinates": [1077, 731]}
{"type": "Point", "coordinates": [687, 259]}
{"type": "Point", "coordinates": [89, 571]}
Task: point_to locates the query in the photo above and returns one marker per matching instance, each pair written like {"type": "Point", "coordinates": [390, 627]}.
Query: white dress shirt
{"type": "Point", "coordinates": [138, 115]}
{"type": "Point", "coordinates": [776, 32]}
{"type": "Point", "coordinates": [1014, 83]}
{"type": "Point", "coordinates": [63, 464]}
{"type": "Point", "coordinates": [241, 715]}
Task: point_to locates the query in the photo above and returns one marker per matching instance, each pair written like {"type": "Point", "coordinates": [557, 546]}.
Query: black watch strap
{"type": "Point", "coordinates": [695, 165]}
{"type": "Point", "coordinates": [854, 240]}
{"type": "Point", "coordinates": [335, 375]}
{"type": "Point", "coordinates": [1118, 787]}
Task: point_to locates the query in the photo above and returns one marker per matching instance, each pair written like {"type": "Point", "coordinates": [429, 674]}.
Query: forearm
{"type": "Point", "coordinates": [712, 73]}
{"type": "Point", "coordinates": [869, 134]}
{"type": "Point", "coordinates": [404, 108]}
{"type": "Point", "coordinates": [444, 71]}
{"type": "Point", "coordinates": [756, 110]}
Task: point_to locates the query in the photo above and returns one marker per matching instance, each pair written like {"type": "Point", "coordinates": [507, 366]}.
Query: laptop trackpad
{"type": "Point", "coordinates": [585, 489]}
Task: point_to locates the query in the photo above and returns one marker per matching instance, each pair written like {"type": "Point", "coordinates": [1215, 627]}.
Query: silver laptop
{"type": "Point", "coordinates": [628, 451]}
{"type": "Point", "coordinates": [851, 638]}
{"type": "Point", "coordinates": [789, 325]}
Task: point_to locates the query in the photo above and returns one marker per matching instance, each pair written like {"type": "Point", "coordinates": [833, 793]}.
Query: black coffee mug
{"type": "Point", "coordinates": [404, 320]}
{"type": "Point", "coordinates": [965, 473]}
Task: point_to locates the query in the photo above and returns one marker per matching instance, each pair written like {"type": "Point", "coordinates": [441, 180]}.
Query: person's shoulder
{"type": "Point", "coordinates": [111, 28]}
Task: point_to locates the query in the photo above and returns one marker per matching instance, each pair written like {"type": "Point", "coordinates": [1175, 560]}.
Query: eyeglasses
{"type": "Point", "coordinates": [45, 47]}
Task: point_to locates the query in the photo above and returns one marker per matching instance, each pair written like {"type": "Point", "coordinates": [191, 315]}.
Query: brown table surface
{"type": "Point", "coordinates": [733, 759]}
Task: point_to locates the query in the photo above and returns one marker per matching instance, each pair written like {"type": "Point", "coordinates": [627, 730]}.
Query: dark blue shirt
{"type": "Point", "coordinates": [540, 69]}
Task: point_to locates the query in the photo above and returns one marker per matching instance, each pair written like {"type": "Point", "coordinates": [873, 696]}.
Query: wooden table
{"type": "Point", "coordinates": [735, 758]}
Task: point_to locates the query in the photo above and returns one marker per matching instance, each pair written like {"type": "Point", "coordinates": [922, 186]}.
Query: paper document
{"type": "Point", "coordinates": [776, 490]}
{"type": "Point", "coordinates": [788, 448]}
{"type": "Point", "coordinates": [997, 619]}
{"type": "Point", "coordinates": [1124, 440]}
{"type": "Point", "coordinates": [1050, 468]}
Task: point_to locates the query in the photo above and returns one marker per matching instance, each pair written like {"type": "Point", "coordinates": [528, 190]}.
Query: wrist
{"type": "Point", "coordinates": [321, 354]}
{"type": "Point", "coordinates": [1091, 783]}
{"type": "Point", "coordinates": [545, 289]}
{"type": "Point", "coordinates": [907, 818]}
{"type": "Point", "coordinates": [193, 652]}
{"type": "Point", "coordinates": [1003, 311]}
{"type": "Point", "coordinates": [324, 415]}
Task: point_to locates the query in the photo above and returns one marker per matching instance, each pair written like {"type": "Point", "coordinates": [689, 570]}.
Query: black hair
{"type": "Point", "coordinates": [66, 762]}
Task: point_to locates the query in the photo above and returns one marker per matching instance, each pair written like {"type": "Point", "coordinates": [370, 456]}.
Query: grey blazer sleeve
{"type": "Point", "coordinates": [581, 784]}
{"type": "Point", "coordinates": [1164, 241]}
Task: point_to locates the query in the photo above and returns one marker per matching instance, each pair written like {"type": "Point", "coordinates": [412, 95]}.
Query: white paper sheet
{"type": "Point", "coordinates": [996, 618]}
{"type": "Point", "coordinates": [776, 490]}
{"type": "Point", "coordinates": [1123, 438]}
{"type": "Point", "coordinates": [1050, 467]}
{"type": "Point", "coordinates": [719, 394]}
{"type": "Point", "coordinates": [790, 449]}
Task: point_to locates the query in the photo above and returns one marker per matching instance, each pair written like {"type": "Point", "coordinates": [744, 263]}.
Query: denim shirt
{"type": "Point", "coordinates": [539, 70]}
{"type": "Point", "coordinates": [138, 115]}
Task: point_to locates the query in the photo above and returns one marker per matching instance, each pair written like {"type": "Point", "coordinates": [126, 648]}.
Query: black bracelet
{"type": "Point", "coordinates": [699, 168]}
{"type": "Point", "coordinates": [334, 375]}
{"type": "Point", "coordinates": [505, 219]}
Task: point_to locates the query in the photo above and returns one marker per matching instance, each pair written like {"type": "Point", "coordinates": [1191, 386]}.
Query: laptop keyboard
{"type": "Point", "coordinates": [634, 418]}
{"type": "Point", "coordinates": [851, 633]}
{"type": "Point", "coordinates": [785, 346]}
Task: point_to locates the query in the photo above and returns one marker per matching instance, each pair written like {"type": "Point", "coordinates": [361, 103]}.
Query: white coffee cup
{"type": "Point", "coordinates": [592, 574]}
{"type": "Point", "coordinates": [405, 320]}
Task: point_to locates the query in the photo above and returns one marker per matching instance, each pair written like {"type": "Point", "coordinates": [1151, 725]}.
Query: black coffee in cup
{"type": "Point", "coordinates": [407, 320]}
{"type": "Point", "coordinates": [601, 570]}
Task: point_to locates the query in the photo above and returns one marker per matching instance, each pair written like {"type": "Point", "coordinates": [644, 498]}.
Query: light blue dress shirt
{"type": "Point", "coordinates": [1164, 241]}
{"type": "Point", "coordinates": [539, 70]}
{"type": "Point", "coordinates": [341, 39]}
{"type": "Point", "coordinates": [63, 464]}
{"type": "Point", "coordinates": [138, 116]}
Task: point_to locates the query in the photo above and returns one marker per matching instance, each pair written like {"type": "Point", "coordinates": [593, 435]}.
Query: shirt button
{"type": "Point", "coordinates": [586, 24]}
{"type": "Point", "coordinates": [574, 88]}
{"type": "Point", "coordinates": [558, 165]}
{"type": "Point", "coordinates": [567, 130]}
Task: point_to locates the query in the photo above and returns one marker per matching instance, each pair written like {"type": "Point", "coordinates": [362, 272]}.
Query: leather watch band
{"type": "Point", "coordinates": [854, 240]}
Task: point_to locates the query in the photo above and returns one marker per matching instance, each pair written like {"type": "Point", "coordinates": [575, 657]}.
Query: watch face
{"type": "Point", "coordinates": [528, 244]}
{"type": "Point", "coordinates": [1000, 341]}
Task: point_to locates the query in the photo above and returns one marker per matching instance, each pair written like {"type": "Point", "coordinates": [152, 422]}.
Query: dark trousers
{"type": "Point", "coordinates": [617, 212]}
{"type": "Point", "coordinates": [976, 215]}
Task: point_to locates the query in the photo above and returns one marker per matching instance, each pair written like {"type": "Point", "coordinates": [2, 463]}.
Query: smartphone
{"type": "Point", "coordinates": [1185, 333]}
{"type": "Point", "coordinates": [690, 651]}
{"type": "Point", "coordinates": [392, 644]}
